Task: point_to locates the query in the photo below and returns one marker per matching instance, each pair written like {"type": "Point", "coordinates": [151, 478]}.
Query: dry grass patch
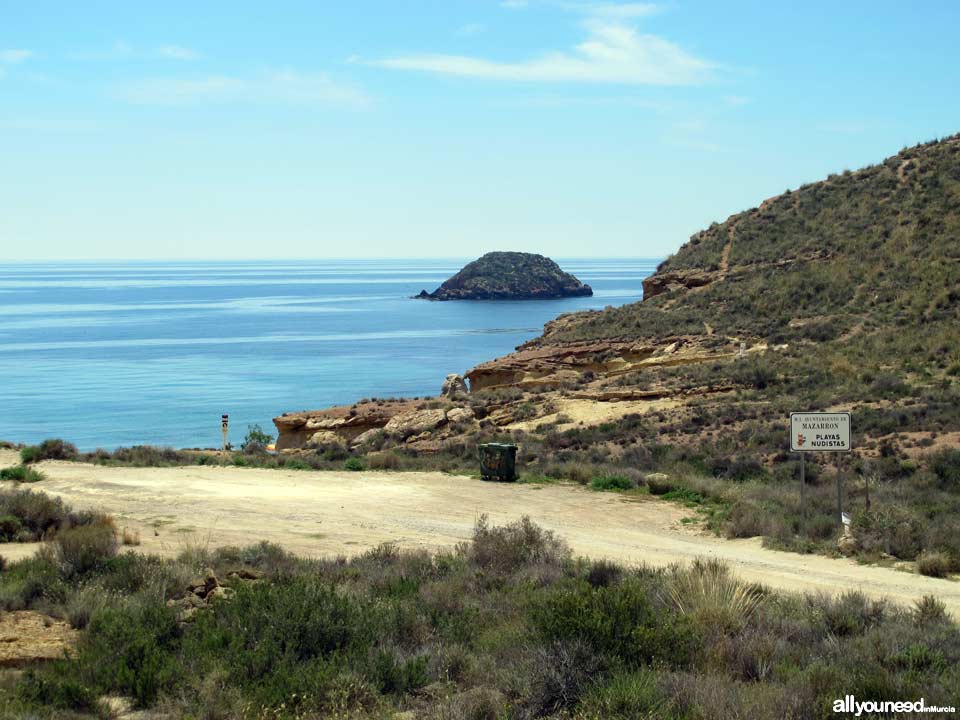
{"type": "Point", "coordinates": [709, 593]}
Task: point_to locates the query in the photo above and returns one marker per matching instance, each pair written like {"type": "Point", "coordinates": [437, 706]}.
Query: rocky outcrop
{"type": "Point", "coordinates": [416, 422]}
{"type": "Point", "coordinates": [342, 424]}
{"type": "Point", "coordinates": [207, 588]}
{"type": "Point", "coordinates": [848, 544]}
{"type": "Point", "coordinates": [509, 276]}
{"type": "Point", "coordinates": [28, 637]}
{"type": "Point", "coordinates": [454, 387]}
{"type": "Point", "coordinates": [360, 424]}
{"type": "Point", "coordinates": [660, 283]}
{"type": "Point", "coordinates": [459, 415]}
{"type": "Point", "coordinates": [554, 364]}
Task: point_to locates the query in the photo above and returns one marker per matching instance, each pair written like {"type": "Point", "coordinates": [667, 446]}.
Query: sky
{"type": "Point", "coordinates": [235, 130]}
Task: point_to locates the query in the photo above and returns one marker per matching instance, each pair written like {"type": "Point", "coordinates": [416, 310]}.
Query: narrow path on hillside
{"type": "Point", "coordinates": [331, 513]}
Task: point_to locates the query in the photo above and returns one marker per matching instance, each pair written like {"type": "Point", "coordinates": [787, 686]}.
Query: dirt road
{"type": "Point", "coordinates": [329, 513]}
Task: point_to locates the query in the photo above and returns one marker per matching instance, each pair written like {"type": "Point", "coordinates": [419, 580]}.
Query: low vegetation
{"type": "Point", "coordinates": [509, 625]}
{"type": "Point", "coordinates": [21, 474]}
{"type": "Point", "coordinates": [28, 516]}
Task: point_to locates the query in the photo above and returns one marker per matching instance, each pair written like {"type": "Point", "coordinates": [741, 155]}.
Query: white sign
{"type": "Point", "coordinates": [820, 432]}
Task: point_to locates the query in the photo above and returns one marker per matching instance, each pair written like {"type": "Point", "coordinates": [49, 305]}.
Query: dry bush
{"type": "Point", "coordinates": [747, 520]}
{"type": "Point", "coordinates": [850, 614]}
{"type": "Point", "coordinates": [383, 461]}
{"type": "Point", "coordinates": [85, 603]}
{"type": "Point", "coordinates": [712, 596]}
{"type": "Point", "coordinates": [130, 537]}
{"type": "Point", "coordinates": [705, 697]}
{"type": "Point", "coordinates": [508, 548]}
{"type": "Point", "coordinates": [80, 550]}
{"type": "Point", "coordinates": [562, 672]}
{"type": "Point", "coordinates": [929, 610]}
{"type": "Point", "coordinates": [481, 703]}
{"type": "Point", "coordinates": [933, 564]}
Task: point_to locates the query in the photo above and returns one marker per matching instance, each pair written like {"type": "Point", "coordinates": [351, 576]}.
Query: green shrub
{"type": "Point", "coordinates": [35, 579]}
{"type": "Point", "coordinates": [57, 449]}
{"type": "Point", "coordinates": [21, 473]}
{"type": "Point", "coordinates": [83, 549]}
{"type": "Point", "coordinates": [256, 440]}
{"type": "Point", "coordinates": [603, 573]}
{"type": "Point", "coordinates": [934, 564]}
{"type": "Point", "coordinates": [145, 456]}
{"type": "Point", "coordinates": [53, 449]}
{"type": "Point", "coordinates": [625, 695]}
{"type": "Point", "coordinates": [30, 454]}
{"type": "Point", "coordinates": [690, 498]}
{"type": "Point", "coordinates": [619, 621]}
{"type": "Point", "coordinates": [850, 614]}
{"type": "Point", "coordinates": [946, 466]}
{"type": "Point", "coordinates": [396, 675]}
{"type": "Point", "coordinates": [10, 528]}
{"type": "Point", "coordinates": [130, 650]}
{"type": "Point", "coordinates": [355, 464]}
{"type": "Point", "coordinates": [611, 482]}
{"type": "Point", "coordinates": [58, 692]}
{"type": "Point", "coordinates": [37, 511]}
{"type": "Point", "coordinates": [289, 637]}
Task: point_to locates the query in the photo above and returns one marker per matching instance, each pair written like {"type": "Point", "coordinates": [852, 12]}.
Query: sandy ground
{"type": "Point", "coordinates": [331, 513]}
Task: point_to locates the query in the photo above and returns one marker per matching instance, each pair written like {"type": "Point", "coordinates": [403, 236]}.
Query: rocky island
{"type": "Point", "coordinates": [509, 276]}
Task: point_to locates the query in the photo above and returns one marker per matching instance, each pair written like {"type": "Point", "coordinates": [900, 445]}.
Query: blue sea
{"type": "Point", "coordinates": [120, 353]}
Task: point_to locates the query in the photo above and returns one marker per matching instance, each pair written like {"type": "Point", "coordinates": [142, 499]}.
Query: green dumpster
{"type": "Point", "coordinates": [498, 461]}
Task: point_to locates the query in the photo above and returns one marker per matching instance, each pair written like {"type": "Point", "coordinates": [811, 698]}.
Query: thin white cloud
{"type": "Point", "coordinates": [612, 53]}
{"type": "Point", "coordinates": [273, 87]}
{"type": "Point", "coordinates": [513, 4]}
{"type": "Point", "coordinates": [14, 57]}
{"type": "Point", "coordinates": [176, 52]}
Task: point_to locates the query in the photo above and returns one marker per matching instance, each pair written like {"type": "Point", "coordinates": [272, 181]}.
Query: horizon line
{"type": "Point", "coordinates": [311, 258]}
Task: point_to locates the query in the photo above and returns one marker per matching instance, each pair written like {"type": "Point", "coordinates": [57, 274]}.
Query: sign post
{"type": "Point", "coordinates": [820, 432]}
{"type": "Point", "coordinates": [224, 426]}
{"type": "Point", "coordinates": [803, 484]}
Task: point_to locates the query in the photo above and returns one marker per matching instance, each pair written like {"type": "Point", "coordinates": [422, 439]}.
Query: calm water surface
{"type": "Point", "coordinates": [109, 354]}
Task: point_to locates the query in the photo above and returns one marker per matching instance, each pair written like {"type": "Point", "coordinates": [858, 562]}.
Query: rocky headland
{"type": "Point", "coordinates": [509, 276]}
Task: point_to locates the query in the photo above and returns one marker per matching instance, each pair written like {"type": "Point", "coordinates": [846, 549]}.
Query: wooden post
{"type": "Point", "coordinates": [839, 489]}
{"type": "Point", "coordinates": [803, 483]}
